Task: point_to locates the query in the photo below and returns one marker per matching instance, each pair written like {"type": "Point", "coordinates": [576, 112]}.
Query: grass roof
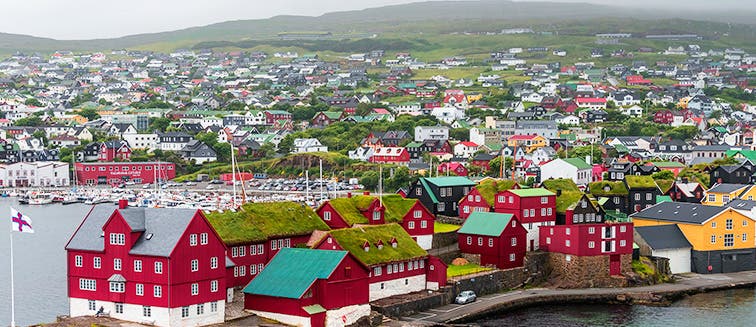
{"type": "Point", "coordinates": [607, 188]}
{"type": "Point", "coordinates": [564, 184]}
{"type": "Point", "coordinates": [352, 239]}
{"type": "Point", "coordinates": [566, 200]}
{"type": "Point", "coordinates": [664, 184]}
{"type": "Point", "coordinates": [260, 221]}
{"type": "Point", "coordinates": [489, 187]}
{"type": "Point", "coordinates": [640, 182]}
{"type": "Point", "coordinates": [351, 208]}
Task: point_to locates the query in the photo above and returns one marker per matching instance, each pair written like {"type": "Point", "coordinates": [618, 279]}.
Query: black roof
{"type": "Point", "coordinates": [663, 237]}
{"type": "Point", "coordinates": [741, 204]}
{"type": "Point", "coordinates": [726, 188]}
{"type": "Point", "coordinates": [683, 212]}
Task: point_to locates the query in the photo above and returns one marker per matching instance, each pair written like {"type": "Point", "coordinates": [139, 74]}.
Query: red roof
{"type": "Point", "coordinates": [522, 137]}
{"type": "Point", "coordinates": [468, 144]}
{"type": "Point", "coordinates": [591, 100]}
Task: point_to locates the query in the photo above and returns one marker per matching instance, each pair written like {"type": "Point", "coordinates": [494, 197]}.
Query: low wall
{"type": "Point", "coordinates": [441, 240]}
{"type": "Point", "coordinates": [450, 220]}
{"type": "Point", "coordinates": [408, 304]}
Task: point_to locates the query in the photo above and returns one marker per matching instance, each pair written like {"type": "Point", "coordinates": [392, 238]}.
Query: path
{"type": "Point", "coordinates": [488, 303]}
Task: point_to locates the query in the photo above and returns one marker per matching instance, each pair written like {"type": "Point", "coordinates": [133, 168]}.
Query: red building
{"type": "Point", "coordinates": [481, 197]}
{"type": "Point", "coordinates": [498, 238]}
{"type": "Point", "coordinates": [276, 116]}
{"type": "Point", "coordinates": [304, 287]}
{"type": "Point", "coordinates": [586, 231]}
{"type": "Point", "coordinates": [114, 150]}
{"type": "Point", "coordinates": [533, 208]}
{"type": "Point", "coordinates": [257, 232]}
{"type": "Point", "coordinates": [665, 116]}
{"type": "Point", "coordinates": [637, 80]}
{"type": "Point", "coordinates": [391, 155]}
{"type": "Point", "coordinates": [396, 263]}
{"type": "Point", "coordinates": [415, 218]}
{"type": "Point", "coordinates": [455, 168]}
{"type": "Point", "coordinates": [160, 266]}
{"type": "Point", "coordinates": [113, 173]}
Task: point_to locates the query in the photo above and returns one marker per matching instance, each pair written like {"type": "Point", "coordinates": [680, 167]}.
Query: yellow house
{"type": "Point", "coordinates": [749, 193]}
{"type": "Point", "coordinates": [722, 239]}
{"type": "Point", "coordinates": [723, 193]}
{"type": "Point", "coordinates": [529, 142]}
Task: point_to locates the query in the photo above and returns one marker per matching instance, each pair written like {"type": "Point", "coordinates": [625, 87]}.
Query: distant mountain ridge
{"type": "Point", "coordinates": [373, 20]}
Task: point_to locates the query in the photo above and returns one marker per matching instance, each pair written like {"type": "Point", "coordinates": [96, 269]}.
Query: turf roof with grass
{"type": "Point", "coordinates": [564, 184]}
{"type": "Point", "coordinates": [352, 240]}
{"type": "Point", "coordinates": [489, 187]}
{"type": "Point", "coordinates": [351, 208]}
{"type": "Point", "coordinates": [566, 200]}
{"type": "Point", "coordinates": [634, 182]}
{"type": "Point", "coordinates": [614, 188]}
{"type": "Point", "coordinates": [256, 222]}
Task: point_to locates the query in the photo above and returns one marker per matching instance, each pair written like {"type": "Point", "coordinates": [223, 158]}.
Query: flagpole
{"type": "Point", "coordinates": [13, 295]}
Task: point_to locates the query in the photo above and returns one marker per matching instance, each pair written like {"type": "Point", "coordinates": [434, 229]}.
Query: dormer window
{"type": "Point", "coordinates": [117, 239]}
{"type": "Point", "coordinates": [377, 215]}
{"type": "Point", "coordinates": [366, 246]}
{"type": "Point", "coordinates": [394, 243]}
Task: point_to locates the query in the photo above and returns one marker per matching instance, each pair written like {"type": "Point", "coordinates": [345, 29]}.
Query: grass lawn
{"type": "Point", "coordinates": [444, 228]}
{"type": "Point", "coordinates": [470, 268]}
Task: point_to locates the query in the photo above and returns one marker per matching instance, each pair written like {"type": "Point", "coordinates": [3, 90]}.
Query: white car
{"type": "Point", "coordinates": [465, 297]}
{"type": "Point", "coordinates": [209, 187]}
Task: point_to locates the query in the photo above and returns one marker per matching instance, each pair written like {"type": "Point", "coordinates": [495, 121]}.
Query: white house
{"type": "Point", "coordinates": [361, 153]}
{"type": "Point", "coordinates": [465, 149]}
{"type": "Point", "coordinates": [448, 114]}
{"type": "Point", "coordinates": [437, 132]}
{"type": "Point", "coordinates": [575, 169]}
{"type": "Point", "coordinates": [308, 145]}
{"type": "Point", "coordinates": [665, 241]}
{"type": "Point", "coordinates": [634, 111]}
{"type": "Point", "coordinates": [40, 173]}
{"type": "Point", "coordinates": [568, 120]}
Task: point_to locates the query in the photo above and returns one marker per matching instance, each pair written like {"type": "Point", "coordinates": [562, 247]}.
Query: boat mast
{"type": "Point", "coordinates": [233, 177]}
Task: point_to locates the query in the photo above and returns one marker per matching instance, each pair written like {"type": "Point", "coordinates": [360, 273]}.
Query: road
{"type": "Point", "coordinates": [689, 283]}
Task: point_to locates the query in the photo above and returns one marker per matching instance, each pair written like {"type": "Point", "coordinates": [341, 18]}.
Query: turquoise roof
{"type": "Point", "coordinates": [450, 181]}
{"type": "Point", "coordinates": [292, 271]}
{"type": "Point", "coordinates": [485, 223]}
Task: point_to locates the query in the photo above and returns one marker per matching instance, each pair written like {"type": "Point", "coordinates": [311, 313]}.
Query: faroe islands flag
{"type": "Point", "coordinates": [20, 223]}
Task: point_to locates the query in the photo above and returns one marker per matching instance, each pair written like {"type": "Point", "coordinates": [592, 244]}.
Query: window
{"type": "Point", "coordinates": [567, 243]}
{"type": "Point", "coordinates": [235, 252]}
{"type": "Point", "coordinates": [544, 200]}
{"type": "Point", "coordinates": [423, 224]}
{"type": "Point", "coordinates": [637, 196]}
{"type": "Point", "coordinates": [146, 311]}
{"type": "Point", "coordinates": [623, 243]}
{"type": "Point", "coordinates": [260, 267]}
{"type": "Point", "coordinates": [195, 289]}
{"type": "Point", "coordinates": [87, 284]}
{"type": "Point", "coordinates": [616, 200]}
{"type": "Point", "coordinates": [401, 267]}
{"type": "Point", "coordinates": [116, 264]}
{"type": "Point", "coordinates": [139, 289]}
{"type": "Point", "coordinates": [745, 222]}
{"type": "Point", "coordinates": [193, 240]}
{"type": "Point", "coordinates": [729, 240]}
{"type": "Point", "coordinates": [543, 212]}
{"type": "Point", "coordinates": [480, 241]}
{"type": "Point", "coordinates": [490, 242]}
{"type": "Point", "coordinates": [511, 199]}
{"type": "Point", "coordinates": [725, 198]}
{"type": "Point", "coordinates": [548, 211]}
{"type": "Point", "coordinates": [213, 262]}
{"type": "Point", "coordinates": [389, 269]}
{"type": "Point", "coordinates": [92, 305]}
{"type": "Point", "coordinates": [157, 291]}
{"type": "Point", "coordinates": [377, 271]}
{"type": "Point", "coordinates": [712, 197]}
{"type": "Point", "coordinates": [273, 245]}
{"type": "Point", "coordinates": [243, 251]}
{"type": "Point", "coordinates": [648, 196]}
{"type": "Point", "coordinates": [214, 286]}
{"type": "Point", "coordinates": [138, 265]}
{"type": "Point", "coordinates": [441, 206]}
{"type": "Point", "coordinates": [200, 309]}
{"type": "Point", "coordinates": [252, 269]}
{"type": "Point", "coordinates": [500, 199]}
{"type": "Point", "coordinates": [418, 191]}
{"type": "Point", "coordinates": [591, 230]}
{"type": "Point", "coordinates": [260, 249]}
{"type": "Point", "coordinates": [119, 307]}
{"type": "Point", "coordinates": [623, 229]}
{"type": "Point", "coordinates": [184, 312]}
{"type": "Point", "coordinates": [548, 240]}
{"type": "Point", "coordinates": [477, 198]}
{"type": "Point", "coordinates": [79, 261]}
{"type": "Point", "coordinates": [728, 224]}
{"type": "Point", "coordinates": [532, 212]}
{"type": "Point", "coordinates": [525, 213]}
{"type": "Point", "coordinates": [327, 215]}
{"type": "Point", "coordinates": [591, 244]}
{"type": "Point", "coordinates": [514, 241]}
{"type": "Point", "coordinates": [567, 231]}
{"type": "Point", "coordinates": [242, 270]}
{"type": "Point", "coordinates": [203, 238]}
{"type": "Point", "coordinates": [117, 239]}
{"type": "Point", "coordinates": [158, 267]}
{"type": "Point", "coordinates": [745, 237]}
{"type": "Point", "coordinates": [195, 265]}
{"type": "Point", "coordinates": [411, 225]}
{"type": "Point", "coordinates": [236, 271]}
{"type": "Point", "coordinates": [713, 224]}
{"type": "Point", "coordinates": [469, 240]}
{"type": "Point", "coordinates": [213, 306]}
{"type": "Point", "coordinates": [417, 214]}
{"type": "Point", "coordinates": [117, 287]}
{"type": "Point", "coordinates": [512, 257]}
{"type": "Point", "coordinates": [713, 239]}
{"type": "Point", "coordinates": [442, 192]}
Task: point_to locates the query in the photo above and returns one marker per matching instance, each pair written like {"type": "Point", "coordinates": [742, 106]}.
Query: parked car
{"type": "Point", "coordinates": [216, 181]}
{"type": "Point", "coordinates": [465, 297]}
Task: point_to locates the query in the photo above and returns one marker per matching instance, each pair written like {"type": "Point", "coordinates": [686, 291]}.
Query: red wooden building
{"type": "Point", "coordinates": [481, 197]}
{"type": "Point", "coordinates": [391, 155]}
{"type": "Point", "coordinates": [415, 218]}
{"type": "Point", "coordinates": [454, 168]}
{"type": "Point", "coordinates": [274, 116]}
{"type": "Point", "coordinates": [587, 231]}
{"type": "Point", "coordinates": [114, 150]}
{"type": "Point", "coordinates": [498, 238]}
{"type": "Point", "coordinates": [665, 116]}
{"type": "Point", "coordinates": [396, 263]}
{"type": "Point", "coordinates": [159, 266]}
{"type": "Point", "coordinates": [533, 208]}
{"type": "Point", "coordinates": [305, 287]}
{"type": "Point", "coordinates": [258, 231]}
{"type": "Point", "coordinates": [113, 173]}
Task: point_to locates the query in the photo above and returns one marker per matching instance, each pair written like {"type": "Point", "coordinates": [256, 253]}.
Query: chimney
{"type": "Point", "coordinates": [366, 193]}
{"type": "Point", "coordinates": [349, 195]}
{"type": "Point", "coordinates": [588, 160]}
{"type": "Point", "coordinates": [123, 204]}
{"type": "Point", "coordinates": [558, 192]}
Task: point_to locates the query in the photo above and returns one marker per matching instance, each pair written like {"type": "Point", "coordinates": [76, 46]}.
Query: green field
{"type": "Point", "coordinates": [470, 268]}
{"type": "Point", "coordinates": [439, 228]}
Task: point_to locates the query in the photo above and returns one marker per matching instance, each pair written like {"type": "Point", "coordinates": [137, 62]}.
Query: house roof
{"type": "Point", "coordinates": [485, 223]}
{"type": "Point", "coordinates": [527, 192]}
{"type": "Point", "coordinates": [682, 212]}
{"type": "Point", "coordinates": [578, 163]}
{"type": "Point", "coordinates": [741, 204]}
{"type": "Point", "coordinates": [449, 181]}
{"type": "Point", "coordinates": [351, 208]}
{"type": "Point", "coordinates": [292, 271]}
{"type": "Point", "coordinates": [352, 240]}
{"type": "Point", "coordinates": [489, 187]}
{"type": "Point", "coordinates": [564, 184]}
{"type": "Point", "coordinates": [727, 188]}
{"type": "Point", "coordinates": [635, 182]}
{"type": "Point", "coordinates": [607, 188]}
{"type": "Point", "coordinates": [165, 227]}
{"type": "Point", "coordinates": [663, 237]}
{"type": "Point", "coordinates": [257, 222]}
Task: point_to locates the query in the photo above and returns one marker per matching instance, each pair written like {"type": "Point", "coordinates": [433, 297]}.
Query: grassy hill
{"type": "Point", "coordinates": [414, 18]}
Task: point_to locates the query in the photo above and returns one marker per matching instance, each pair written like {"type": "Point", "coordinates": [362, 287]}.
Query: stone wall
{"type": "Point", "coordinates": [569, 271]}
{"type": "Point", "coordinates": [408, 304]}
{"type": "Point", "coordinates": [450, 220]}
{"type": "Point", "coordinates": [444, 239]}
{"type": "Point", "coordinates": [661, 265]}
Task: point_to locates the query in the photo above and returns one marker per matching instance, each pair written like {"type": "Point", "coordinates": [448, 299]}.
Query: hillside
{"type": "Point", "coordinates": [429, 17]}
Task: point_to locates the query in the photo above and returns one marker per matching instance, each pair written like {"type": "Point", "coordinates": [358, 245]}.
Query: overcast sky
{"type": "Point", "coordinates": [87, 19]}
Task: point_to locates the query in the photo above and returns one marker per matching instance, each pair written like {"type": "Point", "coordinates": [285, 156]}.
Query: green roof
{"type": "Point", "coordinates": [566, 200]}
{"type": "Point", "coordinates": [664, 184]}
{"type": "Point", "coordinates": [564, 184]}
{"type": "Point", "coordinates": [488, 188]}
{"type": "Point", "coordinates": [578, 163]}
{"type": "Point", "coordinates": [313, 309]}
{"type": "Point", "coordinates": [634, 182]}
{"type": "Point", "coordinates": [485, 223]}
{"type": "Point", "coordinates": [450, 181]}
{"type": "Point", "coordinates": [663, 198]}
{"type": "Point", "coordinates": [667, 164]}
{"type": "Point", "coordinates": [748, 154]}
{"type": "Point", "coordinates": [330, 114]}
{"type": "Point", "coordinates": [351, 208]}
{"type": "Point", "coordinates": [614, 188]}
{"type": "Point", "coordinates": [260, 221]}
{"type": "Point", "coordinates": [621, 148]}
{"type": "Point", "coordinates": [292, 271]}
{"type": "Point", "coordinates": [428, 190]}
{"type": "Point", "coordinates": [532, 192]}
{"type": "Point", "coordinates": [352, 239]}
{"type": "Point", "coordinates": [413, 145]}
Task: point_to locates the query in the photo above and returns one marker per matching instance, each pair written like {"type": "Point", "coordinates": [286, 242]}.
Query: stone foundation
{"type": "Point", "coordinates": [570, 271]}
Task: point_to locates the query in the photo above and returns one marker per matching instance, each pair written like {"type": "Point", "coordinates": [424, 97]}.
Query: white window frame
{"type": "Point", "coordinates": [213, 262]}
{"type": "Point", "coordinates": [158, 267]}
{"type": "Point", "coordinates": [140, 289]}
{"type": "Point", "coordinates": [137, 265]}
{"type": "Point", "coordinates": [157, 291]}
{"type": "Point", "coordinates": [79, 261]}
{"type": "Point", "coordinates": [194, 265]}
{"type": "Point", "coordinates": [195, 289]}
{"type": "Point", "coordinates": [203, 239]}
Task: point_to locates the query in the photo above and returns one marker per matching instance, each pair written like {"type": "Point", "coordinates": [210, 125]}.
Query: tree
{"type": "Point", "coordinates": [400, 179]}
{"type": "Point", "coordinates": [584, 151]}
{"type": "Point", "coordinates": [40, 134]}
{"type": "Point", "coordinates": [33, 102]}
{"type": "Point", "coordinates": [460, 134]}
{"type": "Point", "coordinates": [89, 113]}
{"type": "Point", "coordinates": [682, 132]}
{"type": "Point", "coordinates": [370, 180]}
{"type": "Point", "coordinates": [159, 123]}
{"type": "Point", "coordinates": [29, 121]}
